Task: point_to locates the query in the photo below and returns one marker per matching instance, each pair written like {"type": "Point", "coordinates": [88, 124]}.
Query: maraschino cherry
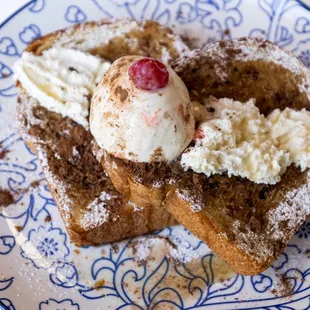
{"type": "Point", "coordinates": [149, 74]}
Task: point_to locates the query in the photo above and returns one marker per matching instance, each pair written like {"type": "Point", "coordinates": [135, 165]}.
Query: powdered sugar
{"type": "Point", "coordinates": [96, 214]}
{"type": "Point", "coordinates": [165, 56]}
{"type": "Point", "coordinates": [184, 253]}
{"type": "Point", "coordinates": [178, 43]}
{"type": "Point", "coordinates": [177, 251]}
{"type": "Point", "coordinates": [99, 154]}
{"type": "Point", "coordinates": [293, 210]}
{"type": "Point", "coordinates": [184, 195]}
{"type": "Point", "coordinates": [158, 184]}
{"type": "Point", "coordinates": [291, 213]}
{"type": "Point", "coordinates": [142, 251]}
{"type": "Point", "coordinates": [104, 196]}
{"type": "Point", "coordinates": [135, 207]}
{"type": "Point", "coordinates": [75, 151]}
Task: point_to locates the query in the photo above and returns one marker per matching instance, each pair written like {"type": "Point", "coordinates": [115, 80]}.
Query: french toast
{"type": "Point", "coordinates": [246, 223]}
{"type": "Point", "coordinates": [92, 210]}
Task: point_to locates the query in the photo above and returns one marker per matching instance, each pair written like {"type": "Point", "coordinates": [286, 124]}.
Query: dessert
{"type": "Point", "coordinates": [219, 140]}
{"type": "Point", "coordinates": [56, 78]}
{"type": "Point", "coordinates": [244, 214]}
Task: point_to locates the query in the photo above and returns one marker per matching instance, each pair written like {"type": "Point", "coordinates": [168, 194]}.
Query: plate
{"type": "Point", "coordinates": [41, 269]}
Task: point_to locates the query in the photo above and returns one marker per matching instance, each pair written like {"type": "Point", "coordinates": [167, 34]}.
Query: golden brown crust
{"type": "Point", "coordinates": [248, 224]}
{"type": "Point", "coordinates": [75, 178]}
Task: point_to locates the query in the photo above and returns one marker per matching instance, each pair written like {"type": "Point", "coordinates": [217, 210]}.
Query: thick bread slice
{"type": "Point", "coordinates": [248, 224]}
{"type": "Point", "coordinates": [92, 210]}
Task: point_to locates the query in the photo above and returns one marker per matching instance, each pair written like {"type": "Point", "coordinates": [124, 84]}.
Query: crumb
{"type": "Point", "coordinates": [226, 32]}
{"type": "Point", "coordinates": [47, 219]}
{"type": "Point", "coordinates": [115, 248]}
{"type": "Point", "coordinates": [35, 184]}
{"type": "Point", "coordinates": [284, 287]}
{"type": "Point", "coordinates": [3, 154]}
{"type": "Point", "coordinates": [76, 251]}
{"type": "Point", "coordinates": [6, 198]}
{"type": "Point", "coordinates": [19, 228]}
{"type": "Point", "coordinates": [99, 284]}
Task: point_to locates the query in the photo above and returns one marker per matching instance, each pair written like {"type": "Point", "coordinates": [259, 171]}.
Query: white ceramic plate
{"type": "Point", "coordinates": [40, 269]}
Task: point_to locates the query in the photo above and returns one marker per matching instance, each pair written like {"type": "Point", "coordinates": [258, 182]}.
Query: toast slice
{"type": "Point", "coordinates": [92, 210]}
{"type": "Point", "coordinates": [246, 223]}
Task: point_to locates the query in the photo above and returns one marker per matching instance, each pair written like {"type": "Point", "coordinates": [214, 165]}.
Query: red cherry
{"type": "Point", "coordinates": [149, 74]}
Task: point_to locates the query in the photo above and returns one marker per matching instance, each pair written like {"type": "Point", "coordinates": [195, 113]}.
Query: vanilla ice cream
{"type": "Point", "coordinates": [141, 125]}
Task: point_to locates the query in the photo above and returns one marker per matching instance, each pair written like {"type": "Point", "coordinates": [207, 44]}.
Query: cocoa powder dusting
{"type": "Point", "coordinates": [114, 77]}
{"type": "Point", "coordinates": [158, 155]}
{"type": "Point", "coordinates": [107, 115]}
{"type": "Point", "coordinates": [167, 115]}
{"type": "Point", "coordinates": [121, 93]}
{"type": "Point", "coordinates": [6, 198]}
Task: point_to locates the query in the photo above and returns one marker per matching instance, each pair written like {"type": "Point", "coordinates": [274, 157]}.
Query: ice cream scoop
{"type": "Point", "coordinates": [141, 111]}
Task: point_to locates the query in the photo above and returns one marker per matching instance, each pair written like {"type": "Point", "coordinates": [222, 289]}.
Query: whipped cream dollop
{"type": "Point", "coordinates": [62, 80]}
{"type": "Point", "coordinates": [234, 138]}
{"type": "Point", "coordinates": [141, 125]}
{"type": "Point", "coordinates": [290, 131]}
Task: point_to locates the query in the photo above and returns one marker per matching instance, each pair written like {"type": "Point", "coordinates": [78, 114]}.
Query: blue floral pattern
{"type": "Point", "coordinates": [74, 14]}
{"type": "Point", "coordinates": [219, 15]}
{"type": "Point", "coordinates": [43, 247]}
{"type": "Point", "coordinates": [103, 275]}
{"type": "Point", "coordinates": [7, 244]}
{"type": "Point", "coordinates": [52, 304]}
{"type": "Point", "coordinates": [303, 51]}
{"type": "Point", "coordinates": [5, 71]}
{"type": "Point", "coordinates": [29, 33]}
{"type": "Point", "coordinates": [37, 6]}
{"type": "Point", "coordinates": [7, 303]}
{"type": "Point", "coordinates": [8, 47]}
{"type": "Point", "coordinates": [304, 231]}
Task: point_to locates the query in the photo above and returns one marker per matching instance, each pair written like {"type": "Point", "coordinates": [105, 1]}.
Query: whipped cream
{"type": "Point", "coordinates": [140, 125]}
{"type": "Point", "coordinates": [62, 80]}
{"type": "Point", "coordinates": [290, 131]}
{"type": "Point", "coordinates": [236, 139]}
